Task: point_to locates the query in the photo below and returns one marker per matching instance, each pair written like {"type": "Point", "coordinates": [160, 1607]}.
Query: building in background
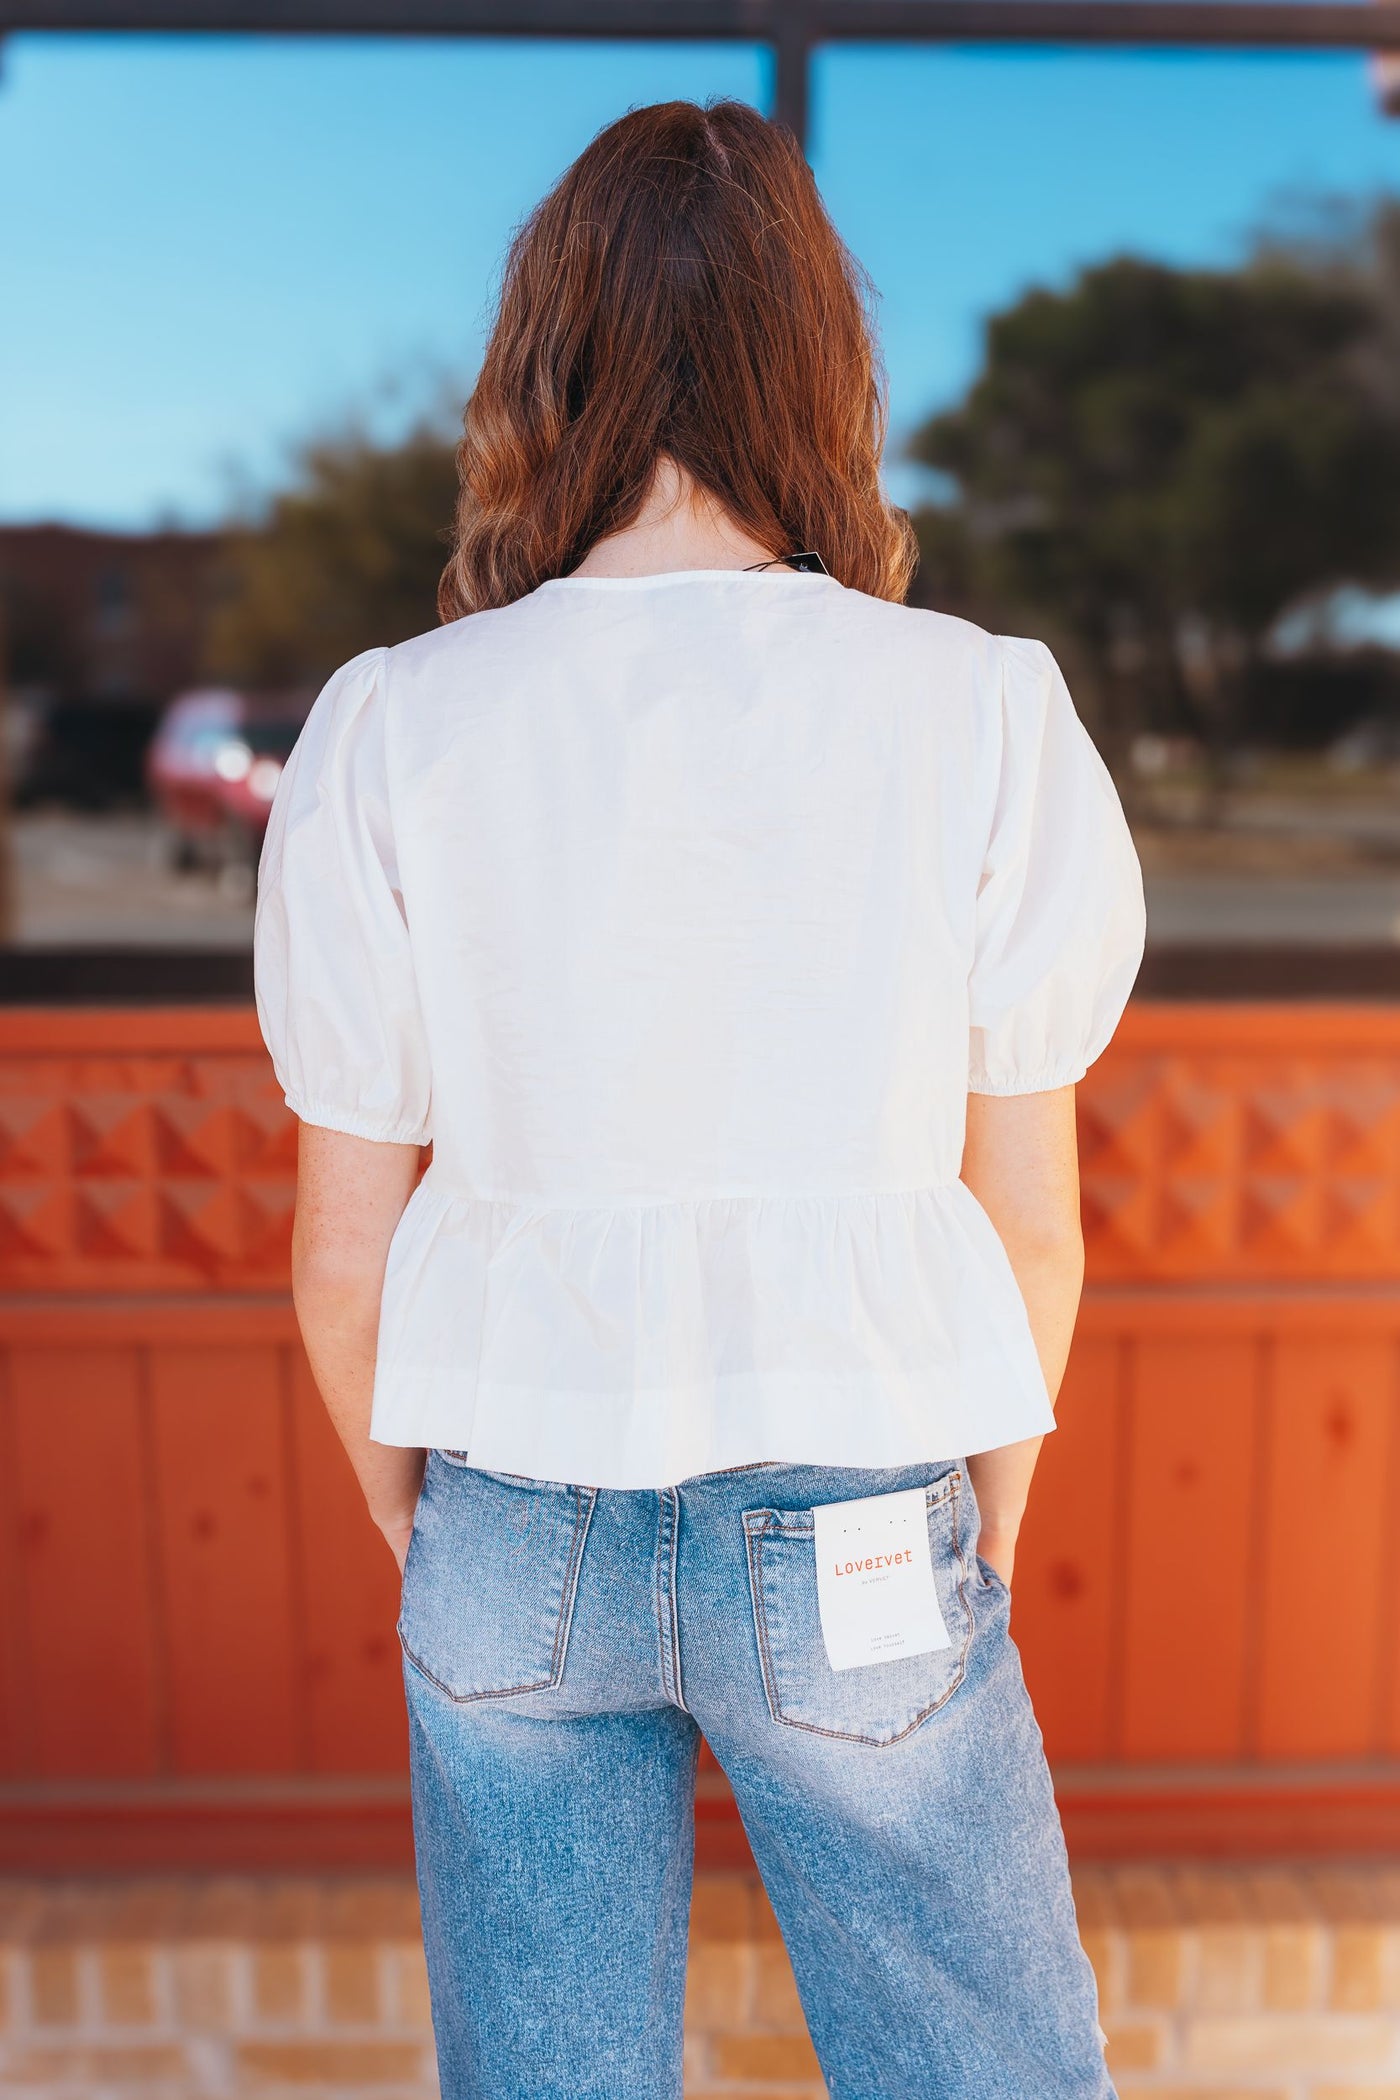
{"type": "Point", "coordinates": [101, 629]}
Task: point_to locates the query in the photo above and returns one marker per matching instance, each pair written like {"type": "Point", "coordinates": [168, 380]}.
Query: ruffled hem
{"type": "Point", "coordinates": [635, 1346]}
{"type": "Point", "coordinates": [626, 1441]}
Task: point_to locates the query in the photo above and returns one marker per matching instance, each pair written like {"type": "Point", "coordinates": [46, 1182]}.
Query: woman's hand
{"type": "Point", "coordinates": [394, 1500]}
{"type": "Point", "coordinates": [998, 1549]}
{"type": "Point", "coordinates": [1001, 1481]}
{"type": "Point", "coordinates": [397, 1532]}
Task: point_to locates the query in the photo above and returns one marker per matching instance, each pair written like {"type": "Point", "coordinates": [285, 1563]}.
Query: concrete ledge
{"type": "Point", "coordinates": [1259, 1982]}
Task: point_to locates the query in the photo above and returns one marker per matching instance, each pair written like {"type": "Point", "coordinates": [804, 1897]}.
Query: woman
{"type": "Point", "coordinates": [736, 936]}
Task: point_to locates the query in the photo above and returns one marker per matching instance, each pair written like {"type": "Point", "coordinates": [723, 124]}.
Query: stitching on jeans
{"type": "Point", "coordinates": [935, 1495]}
{"type": "Point", "coordinates": [583, 1513]}
{"type": "Point", "coordinates": [756, 1534]}
{"type": "Point", "coordinates": [584, 1500]}
{"type": "Point", "coordinates": [658, 1607]}
{"type": "Point", "coordinates": [668, 1638]}
{"type": "Point", "coordinates": [964, 1600]}
{"type": "Point", "coordinates": [463, 1462]}
{"type": "Point", "coordinates": [677, 1686]}
{"type": "Point", "coordinates": [753, 1538]}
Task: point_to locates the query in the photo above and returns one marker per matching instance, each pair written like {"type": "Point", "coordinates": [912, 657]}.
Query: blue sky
{"type": "Point", "coordinates": [210, 248]}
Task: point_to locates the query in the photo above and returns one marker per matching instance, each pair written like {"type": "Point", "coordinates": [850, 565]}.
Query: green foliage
{"type": "Point", "coordinates": [348, 558]}
{"type": "Point", "coordinates": [1159, 461]}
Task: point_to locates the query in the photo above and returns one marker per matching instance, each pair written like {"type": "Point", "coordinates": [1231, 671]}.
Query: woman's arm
{"type": "Point", "coordinates": [1021, 1162]}
{"type": "Point", "coordinates": [351, 1193]}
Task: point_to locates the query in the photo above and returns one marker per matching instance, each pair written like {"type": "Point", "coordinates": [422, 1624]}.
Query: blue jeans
{"type": "Point", "coordinates": [565, 1649]}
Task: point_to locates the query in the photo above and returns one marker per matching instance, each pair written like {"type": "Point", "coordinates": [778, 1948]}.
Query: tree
{"type": "Point", "coordinates": [1159, 461]}
{"type": "Point", "coordinates": [347, 558]}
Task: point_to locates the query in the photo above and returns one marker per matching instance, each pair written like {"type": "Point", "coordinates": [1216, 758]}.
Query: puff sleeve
{"type": "Point", "coordinates": [333, 970]}
{"type": "Point", "coordinates": [1060, 919]}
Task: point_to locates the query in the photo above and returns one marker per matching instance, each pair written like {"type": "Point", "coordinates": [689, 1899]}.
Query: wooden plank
{"type": "Point", "coordinates": [15, 1702]}
{"type": "Point", "coordinates": [1265, 1028]}
{"type": "Point", "coordinates": [208, 1322]}
{"type": "Point", "coordinates": [84, 1539]}
{"type": "Point", "coordinates": [193, 1030]}
{"type": "Point", "coordinates": [287, 1827]}
{"type": "Point", "coordinates": [350, 1588]}
{"type": "Point", "coordinates": [1189, 1583]}
{"type": "Point", "coordinates": [1390, 1602]}
{"type": "Point", "coordinates": [1319, 1593]}
{"type": "Point", "coordinates": [1065, 1580]}
{"type": "Point", "coordinates": [1169, 1309]}
{"type": "Point", "coordinates": [277, 1827]}
{"type": "Point", "coordinates": [1237, 1815]}
{"type": "Point", "coordinates": [222, 1491]}
{"type": "Point", "coordinates": [1269, 1028]}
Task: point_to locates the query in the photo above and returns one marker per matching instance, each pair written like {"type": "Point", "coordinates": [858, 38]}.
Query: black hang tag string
{"type": "Point", "coordinates": [806, 563]}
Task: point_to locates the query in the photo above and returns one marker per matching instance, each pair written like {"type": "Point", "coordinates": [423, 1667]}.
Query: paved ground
{"type": "Point", "coordinates": [99, 880]}
{"type": "Point", "coordinates": [93, 880]}
{"type": "Point", "coordinates": [1203, 909]}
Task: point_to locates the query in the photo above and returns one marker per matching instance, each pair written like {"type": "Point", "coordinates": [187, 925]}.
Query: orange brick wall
{"type": "Point", "coordinates": [1207, 1593]}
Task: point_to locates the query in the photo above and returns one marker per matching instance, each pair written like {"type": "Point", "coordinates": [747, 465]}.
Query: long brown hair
{"type": "Point", "coordinates": [679, 292]}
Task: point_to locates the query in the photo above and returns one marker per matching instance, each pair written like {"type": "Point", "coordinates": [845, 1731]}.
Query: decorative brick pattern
{"type": "Point", "coordinates": [153, 1153]}
{"type": "Point", "coordinates": [1244, 1145]}
{"type": "Point", "coordinates": [1216, 1983]}
{"type": "Point", "coordinates": [1257, 1166]}
{"type": "Point", "coordinates": [144, 1173]}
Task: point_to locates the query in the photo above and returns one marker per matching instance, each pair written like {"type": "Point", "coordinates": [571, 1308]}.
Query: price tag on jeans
{"type": "Point", "coordinates": [875, 1587]}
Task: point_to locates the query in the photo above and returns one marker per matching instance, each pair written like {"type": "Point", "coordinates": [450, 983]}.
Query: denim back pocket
{"type": "Point", "coordinates": [878, 1703]}
{"type": "Point", "coordinates": [488, 1590]}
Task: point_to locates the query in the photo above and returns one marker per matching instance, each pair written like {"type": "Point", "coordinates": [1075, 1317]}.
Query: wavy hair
{"type": "Point", "coordinates": [680, 292]}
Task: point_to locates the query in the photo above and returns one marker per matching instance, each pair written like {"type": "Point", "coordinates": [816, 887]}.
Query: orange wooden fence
{"type": "Point", "coordinates": [197, 1659]}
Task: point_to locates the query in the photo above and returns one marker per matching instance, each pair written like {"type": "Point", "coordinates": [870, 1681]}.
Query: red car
{"type": "Point", "coordinates": [212, 769]}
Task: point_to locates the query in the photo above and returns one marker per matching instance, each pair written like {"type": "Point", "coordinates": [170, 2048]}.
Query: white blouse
{"type": "Point", "coordinates": [680, 914]}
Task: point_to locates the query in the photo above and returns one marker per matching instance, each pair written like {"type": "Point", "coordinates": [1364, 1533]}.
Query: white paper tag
{"type": "Point", "coordinates": [875, 1587]}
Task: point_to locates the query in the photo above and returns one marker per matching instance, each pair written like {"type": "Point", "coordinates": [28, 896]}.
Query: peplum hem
{"type": "Point", "coordinates": [639, 1344]}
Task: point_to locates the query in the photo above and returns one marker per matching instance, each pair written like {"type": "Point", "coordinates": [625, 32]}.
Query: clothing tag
{"type": "Point", "coordinates": [875, 1586]}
